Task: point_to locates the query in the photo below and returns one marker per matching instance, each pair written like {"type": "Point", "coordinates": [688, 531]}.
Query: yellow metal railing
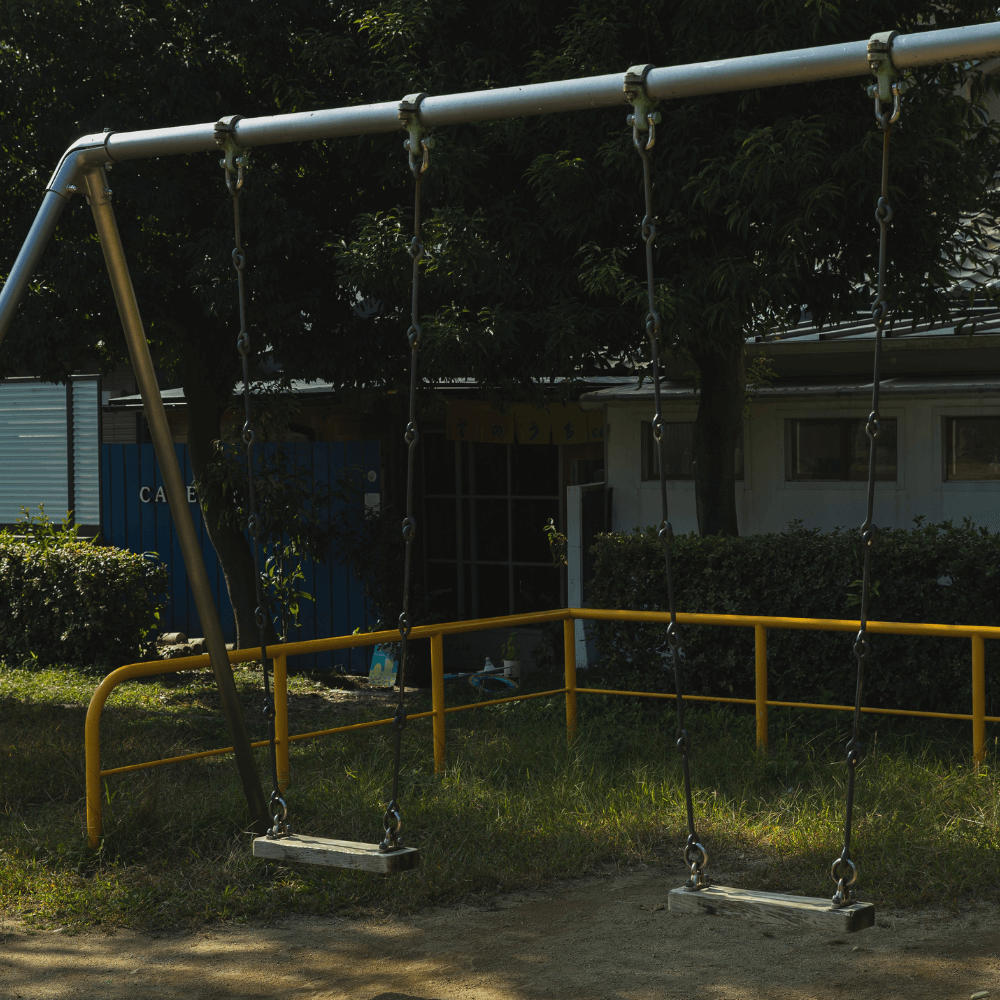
{"type": "Point", "coordinates": [436, 633]}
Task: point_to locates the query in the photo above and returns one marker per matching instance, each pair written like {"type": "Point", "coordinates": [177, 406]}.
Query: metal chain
{"type": "Point", "coordinates": [644, 120]}
{"type": "Point", "coordinates": [844, 871]}
{"type": "Point", "coordinates": [234, 163]}
{"type": "Point", "coordinates": [417, 148]}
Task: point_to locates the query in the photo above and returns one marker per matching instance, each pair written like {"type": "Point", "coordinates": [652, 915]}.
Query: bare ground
{"type": "Point", "coordinates": [593, 938]}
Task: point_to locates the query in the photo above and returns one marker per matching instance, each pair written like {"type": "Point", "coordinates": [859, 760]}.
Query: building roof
{"type": "Point", "coordinates": [975, 272]}
{"type": "Point", "coordinates": [317, 391]}
{"type": "Point", "coordinates": [174, 398]}
{"type": "Point", "coordinates": [631, 391]}
{"type": "Point", "coordinates": [975, 321]}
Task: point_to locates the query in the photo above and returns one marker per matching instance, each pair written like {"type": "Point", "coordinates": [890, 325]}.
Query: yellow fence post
{"type": "Point", "coordinates": [978, 699]}
{"type": "Point", "coordinates": [569, 658]}
{"type": "Point", "coordinates": [281, 720]}
{"type": "Point", "coordinates": [92, 752]}
{"type": "Point", "coordinates": [92, 766]}
{"type": "Point", "coordinates": [760, 664]}
{"type": "Point", "coordinates": [437, 699]}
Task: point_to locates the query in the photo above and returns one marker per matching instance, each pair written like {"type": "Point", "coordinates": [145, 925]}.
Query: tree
{"type": "Point", "coordinates": [766, 201]}
{"type": "Point", "coordinates": [166, 62]}
{"type": "Point", "coordinates": [160, 63]}
{"type": "Point", "coordinates": [533, 269]}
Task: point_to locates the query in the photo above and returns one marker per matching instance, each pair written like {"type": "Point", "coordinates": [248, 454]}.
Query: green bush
{"type": "Point", "coordinates": [931, 573]}
{"type": "Point", "coordinates": [64, 600]}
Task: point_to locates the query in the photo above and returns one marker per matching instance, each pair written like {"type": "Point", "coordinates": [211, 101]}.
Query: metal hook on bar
{"type": "Point", "coordinates": [888, 86]}
{"type": "Point", "coordinates": [887, 118]}
{"type": "Point", "coordinates": [234, 156]}
{"type": "Point", "coordinates": [643, 118]}
{"type": "Point", "coordinates": [416, 145]}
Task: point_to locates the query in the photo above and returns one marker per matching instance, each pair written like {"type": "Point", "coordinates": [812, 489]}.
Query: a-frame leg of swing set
{"type": "Point", "coordinates": [772, 907]}
{"type": "Point", "coordinates": [303, 849]}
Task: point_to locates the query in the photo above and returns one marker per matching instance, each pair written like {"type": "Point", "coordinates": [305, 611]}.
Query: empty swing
{"type": "Point", "coordinates": [280, 843]}
{"type": "Point", "coordinates": [843, 913]}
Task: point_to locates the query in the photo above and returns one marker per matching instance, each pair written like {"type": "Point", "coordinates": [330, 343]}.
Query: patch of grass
{"type": "Point", "coordinates": [516, 807]}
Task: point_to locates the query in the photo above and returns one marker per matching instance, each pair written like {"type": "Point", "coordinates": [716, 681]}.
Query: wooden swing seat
{"type": "Point", "coordinates": [773, 907]}
{"type": "Point", "coordinates": [335, 853]}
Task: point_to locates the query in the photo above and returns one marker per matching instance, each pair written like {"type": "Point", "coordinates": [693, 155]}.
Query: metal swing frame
{"type": "Point", "coordinates": [82, 170]}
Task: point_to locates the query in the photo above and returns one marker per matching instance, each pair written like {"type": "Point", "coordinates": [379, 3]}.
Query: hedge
{"type": "Point", "coordinates": [931, 573]}
{"type": "Point", "coordinates": [68, 601]}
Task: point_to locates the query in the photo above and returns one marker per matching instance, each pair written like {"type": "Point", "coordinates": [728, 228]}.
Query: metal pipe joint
{"type": "Point", "coordinates": [87, 152]}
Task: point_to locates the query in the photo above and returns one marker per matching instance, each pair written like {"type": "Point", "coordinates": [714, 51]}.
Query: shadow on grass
{"type": "Point", "coordinates": [516, 808]}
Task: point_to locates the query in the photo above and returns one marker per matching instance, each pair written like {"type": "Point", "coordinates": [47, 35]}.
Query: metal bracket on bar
{"type": "Point", "coordinates": [87, 151]}
{"type": "Point", "coordinates": [881, 65]}
{"type": "Point", "coordinates": [643, 116]}
{"type": "Point", "coordinates": [234, 155]}
{"type": "Point", "coordinates": [416, 145]}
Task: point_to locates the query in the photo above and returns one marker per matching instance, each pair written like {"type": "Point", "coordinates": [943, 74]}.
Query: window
{"type": "Point", "coordinates": [485, 506]}
{"type": "Point", "coordinates": [678, 451]}
{"type": "Point", "coordinates": [972, 449]}
{"type": "Point", "coordinates": [837, 450]}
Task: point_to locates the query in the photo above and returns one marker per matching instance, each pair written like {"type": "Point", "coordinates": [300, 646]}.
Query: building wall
{"type": "Point", "coordinates": [136, 516]}
{"type": "Point", "coordinates": [766, 503]}
{"type": "Point", "coordinates": [118, 428]}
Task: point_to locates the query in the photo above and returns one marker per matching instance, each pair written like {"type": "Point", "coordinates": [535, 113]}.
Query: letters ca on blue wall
{"type": "Point", "coordinates": [136, 516]}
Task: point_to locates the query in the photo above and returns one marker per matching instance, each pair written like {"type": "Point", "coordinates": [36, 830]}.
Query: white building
{"type": "Point", "coordinates": [804, 452]}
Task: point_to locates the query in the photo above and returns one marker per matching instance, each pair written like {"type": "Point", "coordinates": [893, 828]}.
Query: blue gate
{"type": "Point", "coordinates": [136, 516]}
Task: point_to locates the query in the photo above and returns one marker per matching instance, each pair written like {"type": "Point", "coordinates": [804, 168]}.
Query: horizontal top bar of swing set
{"type": "Point", "coordinates": [772, 69]}
{"type": "Point", "coordinates": [309, 646]}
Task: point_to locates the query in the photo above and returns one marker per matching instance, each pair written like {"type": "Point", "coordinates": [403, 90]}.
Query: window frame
{"type": "Point", "coordinates": [466, 503]}
{"type": "Point", "coordinates": [858, 409]}
{"type": "Point", "coordinates": [844, 423]}
{"type": "Point", "coordinates": [940, 417]}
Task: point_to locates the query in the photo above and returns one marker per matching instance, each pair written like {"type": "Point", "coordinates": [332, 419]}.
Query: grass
{"type": "Point", "coordinates": [516, 808]}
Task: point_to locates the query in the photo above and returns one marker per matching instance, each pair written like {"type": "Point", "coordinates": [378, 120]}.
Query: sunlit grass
{"type": "Point", "coordinates": [53, 686]}
{"type": "Point", "coordinates": [516, 807]}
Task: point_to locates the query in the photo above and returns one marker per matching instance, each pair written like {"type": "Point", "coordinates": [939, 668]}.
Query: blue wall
{"type": "Point", "coordinates": [132, 518]}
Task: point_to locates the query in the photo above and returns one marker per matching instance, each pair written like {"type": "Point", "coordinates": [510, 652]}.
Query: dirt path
{"type": "Point", "coordinates": [595, 938]}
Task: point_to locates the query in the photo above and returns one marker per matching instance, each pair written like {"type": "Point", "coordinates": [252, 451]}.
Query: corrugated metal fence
{"type": "Point", "coordinates": [49, 439]}
{"type": "Point", "coordinates": [136, 516]}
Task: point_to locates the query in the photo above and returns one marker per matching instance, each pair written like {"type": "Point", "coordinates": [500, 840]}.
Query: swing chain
{"type": "Point", "coordinates": [417, 147]}
{"type": "Point", "coordinates": [843, 870]}
{"type": "Point", "coordinates": [644, 119]}
{"type": "Point", "coordinates": [234, 162]}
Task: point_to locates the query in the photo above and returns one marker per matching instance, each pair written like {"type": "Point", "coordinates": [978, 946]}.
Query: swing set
{"type": "Point", "coordinates": [82, 169]}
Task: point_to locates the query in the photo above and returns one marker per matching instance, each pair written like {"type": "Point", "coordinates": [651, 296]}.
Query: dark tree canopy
{"type": "Point", "coordinates": [534, 268]}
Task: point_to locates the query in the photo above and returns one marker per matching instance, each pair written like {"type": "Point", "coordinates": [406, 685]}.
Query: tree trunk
{"type": "Point", "coordinates": [716, 430]}
{"type": "Point", "coordinates": [205, 410]}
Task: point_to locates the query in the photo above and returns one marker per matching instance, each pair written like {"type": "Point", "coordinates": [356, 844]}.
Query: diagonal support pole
{"type": "Point", "coordinates": [99, 196]}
